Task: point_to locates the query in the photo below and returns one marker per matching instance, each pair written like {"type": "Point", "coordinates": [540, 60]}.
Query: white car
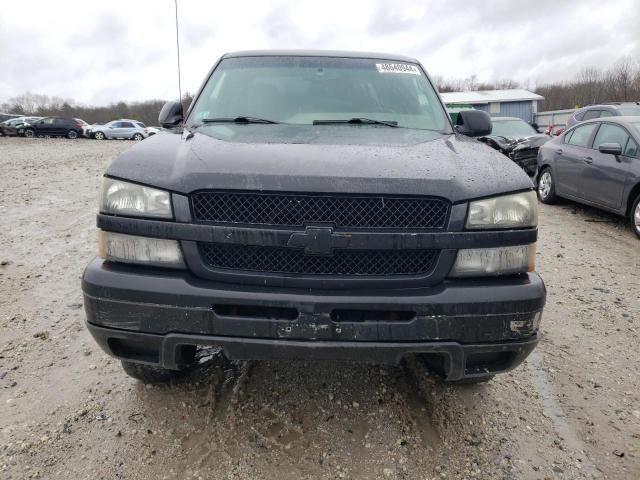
{"type": "Point", "coordinates": [123, 129]}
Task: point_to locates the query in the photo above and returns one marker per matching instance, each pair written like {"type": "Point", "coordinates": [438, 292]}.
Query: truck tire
{"type": "Point", "coordinates": [547, 187]}
{"type": "Point", "coordinates": [148, 373]}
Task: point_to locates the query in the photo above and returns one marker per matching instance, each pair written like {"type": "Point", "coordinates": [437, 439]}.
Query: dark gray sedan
{"type": "Point", "coordinates": [596, 163]}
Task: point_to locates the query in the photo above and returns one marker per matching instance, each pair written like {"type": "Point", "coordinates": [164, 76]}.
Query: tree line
{"type": "Point", "coordinates": [619, 83]}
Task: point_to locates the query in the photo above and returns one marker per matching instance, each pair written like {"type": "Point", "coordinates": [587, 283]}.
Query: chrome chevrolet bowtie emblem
{"type": "Point", "coordinates": [319, 240]}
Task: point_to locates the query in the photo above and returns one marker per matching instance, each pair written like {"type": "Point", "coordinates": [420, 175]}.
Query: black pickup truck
{"type": "Point", "coordinates": [316, 205]}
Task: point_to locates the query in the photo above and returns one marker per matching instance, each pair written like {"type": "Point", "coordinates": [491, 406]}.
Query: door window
{"type": "Point", "coordinates": [578, 115]}
{"type": "Point", "coordinates": [567, 136]}
{"type": "Point", "coordinates": [116, 125]}
{"type": "Point", "coordinates": [591, 114]}
{"type": "Point", "coordinates": [632, 148]}
{"type": "Point", "coordinates": [126, 125]}
{"type": "Point", "coordinates": [609, 133]}
{"type": "Point", "coordinates": [581, 135]}
{"type": "Point", "coordinates": [606, 113]}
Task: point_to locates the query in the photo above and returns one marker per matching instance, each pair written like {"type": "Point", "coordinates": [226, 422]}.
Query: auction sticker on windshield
{"type": "Point", "coordinates": [397, 68]}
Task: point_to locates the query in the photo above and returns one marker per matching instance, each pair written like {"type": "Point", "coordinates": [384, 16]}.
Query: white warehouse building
{"type": "Point", "coordinates": [498, 103]}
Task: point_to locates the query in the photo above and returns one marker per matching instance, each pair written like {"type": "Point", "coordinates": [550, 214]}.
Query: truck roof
{"type": "Point", "coordinates": [320, 53]}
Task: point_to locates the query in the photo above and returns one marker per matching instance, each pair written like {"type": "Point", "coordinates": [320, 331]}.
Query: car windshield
{"type": "Point", "coordinates": [631, 111]}
{"type": "Point", "coordinates": [512, 128]}
{"type": "Point", "coordinates": [304, 90]}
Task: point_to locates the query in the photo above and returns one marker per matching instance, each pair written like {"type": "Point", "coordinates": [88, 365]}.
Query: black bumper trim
{"type": "Point", "coordinates": [165, 350]}
{"type": "Point", "coordinates": [271, 237]}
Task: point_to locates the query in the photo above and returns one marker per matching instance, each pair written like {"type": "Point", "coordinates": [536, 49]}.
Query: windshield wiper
{"type": "Point", "coordinates": [241, 119]}
{"type": "Point", "coordinates": [357, 121]}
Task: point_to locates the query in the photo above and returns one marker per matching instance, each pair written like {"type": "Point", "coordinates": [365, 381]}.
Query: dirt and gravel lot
{"type": "Point", "coordinates": [69, 412]}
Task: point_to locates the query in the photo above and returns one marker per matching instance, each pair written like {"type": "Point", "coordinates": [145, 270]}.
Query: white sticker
{"type": "Point", "coordinates": [397, 68]}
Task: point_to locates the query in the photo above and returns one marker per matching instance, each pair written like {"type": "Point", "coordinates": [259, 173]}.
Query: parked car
{"type": "Point", "coordinates": [123, 129]}
{"type": "Point", "coordinates": [596, 163]}
{"type": "Point", "coordinates": [54, 127]}
{"type": "Point", "coordinates": [85, 127]}
{"type": "Point", "coordinates": [347, 218]}
{"type": "Point", "coordinates": [602, 111]}
{"type": "Point", "coordinates": [15, 126]}
{"type": "Point", "coordinates": [516, 139]}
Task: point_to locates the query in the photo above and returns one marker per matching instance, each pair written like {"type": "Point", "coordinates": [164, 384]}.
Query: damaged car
{"type": "Point", "coordinates": [516, 139]}
{"type": "Point", "coordinates": [316, 205]}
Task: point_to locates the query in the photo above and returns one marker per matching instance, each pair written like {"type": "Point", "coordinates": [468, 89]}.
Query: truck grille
{"type": "Point", "coordinates": [294, 260]}
{"type": "Point", "coordinates": [343, 211]}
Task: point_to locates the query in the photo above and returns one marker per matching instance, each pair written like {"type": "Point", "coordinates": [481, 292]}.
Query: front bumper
{"type": "Point", "coordinates": [474, 328]}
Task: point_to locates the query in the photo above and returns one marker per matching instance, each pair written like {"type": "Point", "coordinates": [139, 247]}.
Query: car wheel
{"type": "Point", "coordinates": [72, 134]}
{"type": "Point", "coordinates": [137, 137]}
{"type": "Point", "coordinates": [29, 133]}
{"type": "Point", "coordinates": [99, 136]}
{"type": "Point", "coordinates": [149, 373]}
{"type": "Point", "coordinates": [635, 216]}
{"type": "Point", "coordinates": [546, 187]}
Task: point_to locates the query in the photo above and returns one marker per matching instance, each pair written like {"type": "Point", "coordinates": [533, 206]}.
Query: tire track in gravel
{"type": "Point", "coordinates": [553, 410]}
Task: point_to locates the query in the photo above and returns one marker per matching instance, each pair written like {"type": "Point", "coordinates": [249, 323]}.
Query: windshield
{"type": "Point", "coordinates": [512, 128]}
{"type": "Point", "coordinates": [301, 90]}
{"type": "Point", "coordinates": [632, 111]}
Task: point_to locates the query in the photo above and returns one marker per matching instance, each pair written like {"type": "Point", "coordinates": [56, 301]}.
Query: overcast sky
{"type": "Point", "coordinates": [99, 52]}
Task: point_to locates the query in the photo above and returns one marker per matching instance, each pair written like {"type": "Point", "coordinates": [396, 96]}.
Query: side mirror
{"type": "Point", "coordinates": [171, 115]}
{"type": "Point", "coordinates": [474, 123]}
{"type": "Point", "coordinates": [611, 148]}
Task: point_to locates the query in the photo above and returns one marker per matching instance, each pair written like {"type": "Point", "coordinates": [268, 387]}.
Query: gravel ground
{"type": "Point", "coordinates": [68, 411]}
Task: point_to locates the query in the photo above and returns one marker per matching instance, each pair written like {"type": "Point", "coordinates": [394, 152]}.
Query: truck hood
{"type": "Point", "coordinates": [327, 158]}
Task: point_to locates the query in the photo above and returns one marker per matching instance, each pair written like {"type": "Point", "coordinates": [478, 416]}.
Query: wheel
{"type": "Point", "coordinates": [547, 187]}
{"type": "Point", "coordinates": [148, 373]}
{"type": "Point", "coordinates": [72, 134]}
{"type": "Point", "coordinates": [138, 136]}
{"type": "Point", "coordinates": [635, 216]}
{"type": "Point", "coordinates": [99, 136]}
{"type": "Point", "coordinates": [29, 133]}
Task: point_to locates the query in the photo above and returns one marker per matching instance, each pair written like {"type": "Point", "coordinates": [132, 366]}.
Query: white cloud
{"type": "Point", "coordinates": [98, 52]}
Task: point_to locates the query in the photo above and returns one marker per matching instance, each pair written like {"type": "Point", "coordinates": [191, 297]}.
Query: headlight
{"type": "Point", "coordinates": [518, 210]}
{"type": "Point", "coordinates": [482, 262]}
{"type": "Point", "coordinates": [155, 252]}
{"type": "Point", "coordinates": [124, 198]}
